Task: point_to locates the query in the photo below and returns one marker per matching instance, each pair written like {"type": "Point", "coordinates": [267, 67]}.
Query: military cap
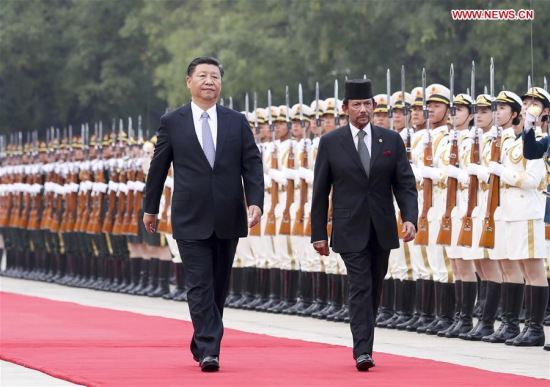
{"type": "Point", "coordinates": [438, 93]}
{"type": "Point", "coordinates": [511, 99]}
{"type": "Point", "coordinates": [416, 93]}
{"type": "Point", "coordinates": [540, 94]}
{"type": "Point", "coordinates": [295, 112]}
{"type": "Point", "coordinates": [396, 100]}
{"type": "Point", "coordinates": [381, 101]}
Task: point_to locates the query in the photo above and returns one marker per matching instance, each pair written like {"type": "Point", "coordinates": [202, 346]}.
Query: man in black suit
{"type": "Point", "coordinates": [365, 166]}
{"type": "Point", "coordinates": [214, 154]}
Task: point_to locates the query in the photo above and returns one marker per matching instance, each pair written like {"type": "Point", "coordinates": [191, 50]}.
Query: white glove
{"type": "Point", "coordinates": [417, 173]}
{"type": "Point", "coordinates": [425, 138]}
{"type": "Point", "coordinates": [270, 147]}
{"type": "Point", "coordinates": [456, 173]}
{"type": "Point", "coordinates": [529, 121]}
{"type": "Point", "coordinates": [473, 169]}
{"type": "Point", "coordinates": [493, 132]}
{"type": "Point", "coordinates": [404, 132]}
{"type": "Point", "coordinates": [289, 174]}
{"type": "Point", "coordinates": [429, 173]}
{"type": "Point", "coordinates": [475, 132]}
{"type": "Point", "coordinates": [495, 168]}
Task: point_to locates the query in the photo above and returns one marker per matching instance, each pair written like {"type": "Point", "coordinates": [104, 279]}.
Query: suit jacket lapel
{"type": "Point", "coordinates": [346, 140]}
{"type": "Point", "coordinates": [376, 145]}
{"type": "Point", "coordinates": [222, 133]}
{"type": "Point", "coordinates": [190, 134]}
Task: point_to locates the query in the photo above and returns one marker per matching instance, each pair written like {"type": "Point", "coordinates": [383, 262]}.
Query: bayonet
{"type": "Point", "coordinates": [528, 82]}
{"type": "Point", "coordinates": [221, 101]}
{"type": "Point", "coordinates": [545, 84]}
{"type": "Point", "coordinates": [452, 106]}
{"type": "Point", "coordinates": [287, 103]}
{"type": "Point", "coordinates": [336, 116]}
{"type": "Point", "coordinates": [405, 107]}
{"type": "Point", "coordinates": [424, 105]}
{"type": "Point", "coordinates": [230, 102]}
{"type": "Point", "coordinates": [492, 88]}
{"type": "Point", "coordinates": [140, 130]}
{"type": "Point", "coordinates": [269, 116]}
{"type": "Point", "coordinates": [256, 126]}
{"type": "Point", "coordinates": [301, 107]}
{"type": "Point", "coordinates": [317, 117]}
{"type": "Point", "coordinates": [388, 94]}
{"type": "Point", "coordinates": [246, 103]}
{"type": "Point", "coordinates": [473, 91]}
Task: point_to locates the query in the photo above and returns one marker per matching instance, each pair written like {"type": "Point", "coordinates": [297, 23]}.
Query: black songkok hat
{"type": "Point", "coordinates": [358, 89]}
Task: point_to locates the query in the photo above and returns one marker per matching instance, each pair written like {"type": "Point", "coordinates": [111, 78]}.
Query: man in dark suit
{"type": "Point", "coordinates": [214, 154]}
{"type": "Point", "coordinates": [364, 165]}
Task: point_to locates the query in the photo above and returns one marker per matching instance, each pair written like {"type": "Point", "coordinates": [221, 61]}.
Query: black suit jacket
{"type": "Point", "coordinates": [206, 200]}
{"type": "Point", "coordinates": [358, 199]}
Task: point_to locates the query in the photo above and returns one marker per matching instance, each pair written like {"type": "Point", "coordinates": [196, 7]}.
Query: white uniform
{"type": "Point", "coordinates": [521, 206]}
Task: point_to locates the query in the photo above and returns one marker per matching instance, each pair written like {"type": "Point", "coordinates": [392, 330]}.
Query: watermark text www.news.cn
{"type": "Point", "coordinates": [493, 14]}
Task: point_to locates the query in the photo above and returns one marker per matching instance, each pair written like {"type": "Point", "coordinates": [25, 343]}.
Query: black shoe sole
{"type": "Point", "coordinates": [210, 367]}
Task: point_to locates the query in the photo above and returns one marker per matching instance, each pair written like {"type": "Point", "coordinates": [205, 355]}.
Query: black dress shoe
{"type": "Point", "coordinates": [364, 362]}
{"type": "Point", "coordinates": [210, 364]}
{"type": "Point", "coordinates": [196, 358]}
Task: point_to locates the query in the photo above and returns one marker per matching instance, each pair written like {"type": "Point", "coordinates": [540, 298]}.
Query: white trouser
{"type": "Point", "coordinates": [244, 253]}
{"type": "Point", "coordinates": [400, 265]}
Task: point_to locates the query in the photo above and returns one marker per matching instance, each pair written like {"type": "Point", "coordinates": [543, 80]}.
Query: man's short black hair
{"type": "Point", "coordinates": [203, 60]}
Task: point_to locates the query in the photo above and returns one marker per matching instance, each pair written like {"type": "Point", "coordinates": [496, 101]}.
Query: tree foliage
{"type": "Point", "coordinates": [72, 61]}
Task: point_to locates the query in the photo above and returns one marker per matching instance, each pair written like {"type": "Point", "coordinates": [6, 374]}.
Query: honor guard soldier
{"type": "Point", "coordinates": [380, 116]}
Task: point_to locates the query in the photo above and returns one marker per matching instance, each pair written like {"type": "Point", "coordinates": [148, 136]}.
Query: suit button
{"type": "Point", "coordinates": [213, 175]}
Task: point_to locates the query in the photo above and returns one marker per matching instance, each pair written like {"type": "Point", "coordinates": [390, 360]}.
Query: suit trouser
{"type": "Point", "coordinates": [366, 271]}
{"type": "Point", "coordinates": [207, 268]}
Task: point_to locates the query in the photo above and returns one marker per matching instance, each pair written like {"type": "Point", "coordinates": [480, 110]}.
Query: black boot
{"type": "Point", "coordinates": [458, 303]}
{"type": "Point", "coordinates": [292, 295]}
{"type": "Point", "coordinates": [405, 313]}
{"type": "Point", "coordinates": [417, 306]}
{"type": "Point", "coordinates": [153, 277]}
{"type": "Point", "coordinates": [178, 289]}
{"type": "Point", "coordinates": [485, 326]}
{"type": "Point", "coordinates": [547, 311]}
{"type": "Point", "coordinates": [433, 304]}
{"type": "Point", "coordinates": [249, 288]}
{"type": "Point", "coordinates": [481, 296]}
{"type": "Point", "coordinates": [163, 281]}
{"type": "Point", "coordinates": [387, 301]}
{"type": "Point", "coordinates": [333, 291]}
{"type": "Point", "coordinates": [465, 324]}
{"type": "Point", "coordinates": [275, 291]}
{"type": "Point", "coordinates": [343, 314]}
{"type": "Point", "coordinates": [534, 336]}
{"type": "Point", "coordinates": [235, 285]}
{"type": "Point", "coordinates": [427, 309]}
{"type": "Point", "coordinates": [135, 268]}
{"type": "Point", "coordinates": [143, 278]}
{"type": "Point", "coordinates": [512, 298]}
{"type": "Point", "coordinates": [397, 304]}
{"type": "Point", "coordinates": [306, 294]}
{"type": "Point", "coordinates": [447, 303]}
{"type": "Point", "coordinates": [339, 297]}
{"type": "Point", "coordinates": [262, 285]}
{"type": "Point", "coordinates": [181, 283]}
{"type": "Point", "coordinates": [116, 275]}
{"type": "Point", "coordinates": [526, 312]}
{"type": "Point", "coordinates": [319, 294]}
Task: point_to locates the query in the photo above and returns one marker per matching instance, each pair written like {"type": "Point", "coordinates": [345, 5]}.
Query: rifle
{"type": "Point", "coordinates": [298, 227]}
{"type": "Point", "coordinates": [270, 226]}
{"type": "Point", "coordinates": [163, 221]}
{"type": "Point", "coordinates": [284, 229]}
{"type": "Point", "coordinates": [119, 218]}
{"type": "Point", "coordinates": [139, 185]}
{"type": "Point", "coordinates": [73, 185]}
{"type": "Point", "coordinates": [257, 229]}
{"type": "Point", "coordinates": [422, 237]}
{"type": "Point", "coordinates": [466, 231]}
{"type": "Point", "coordinates": [446, 227]}
{"type": "Point", "coordinates": [408, 145]}
{"type": "Point", "coordinates": [131, 177]}
{"type": "Point", "coordinates": [487, 238]}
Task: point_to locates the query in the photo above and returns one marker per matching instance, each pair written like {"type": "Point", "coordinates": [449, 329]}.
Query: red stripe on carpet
{"type": "Point", "coordinates": [104, 347]}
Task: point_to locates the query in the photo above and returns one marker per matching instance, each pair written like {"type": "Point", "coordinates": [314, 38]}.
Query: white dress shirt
{"type": "Point", "coordinates": [368, 136]}
{"type": "Point", "coordinates": [212, 121]}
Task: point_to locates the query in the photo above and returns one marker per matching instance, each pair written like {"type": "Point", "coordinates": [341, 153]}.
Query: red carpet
{"type": "Point", "coordinates": [103, 347]}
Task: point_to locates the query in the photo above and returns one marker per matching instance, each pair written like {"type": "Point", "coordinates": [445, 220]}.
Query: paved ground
{"type": "Point", "coordinates": [493, 357]}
